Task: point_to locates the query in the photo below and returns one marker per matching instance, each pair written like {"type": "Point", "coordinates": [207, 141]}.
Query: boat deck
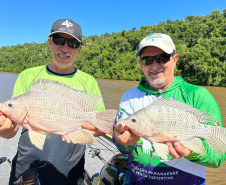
{"type": "Point", "coordinates": [93, 164]}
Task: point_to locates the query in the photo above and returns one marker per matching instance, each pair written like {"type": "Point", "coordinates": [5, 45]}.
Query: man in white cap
{"type": "Point", "coordinates": [59, 163]}
{"type": "Point", "coordinates": [158, 58]}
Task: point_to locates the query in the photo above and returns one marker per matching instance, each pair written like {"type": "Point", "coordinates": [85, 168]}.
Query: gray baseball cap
{"type": "Point", "coordinates": [67, 26]}
{"type": "Point", "coordinates": [162, 41]}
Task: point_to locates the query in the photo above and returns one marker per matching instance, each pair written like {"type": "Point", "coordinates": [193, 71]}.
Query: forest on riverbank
{"type": "Point", "coordinates": [200, 43]}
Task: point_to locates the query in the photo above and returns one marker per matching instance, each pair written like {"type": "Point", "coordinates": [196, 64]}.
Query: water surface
{"type": "Point", "coordinates": [112, 91]}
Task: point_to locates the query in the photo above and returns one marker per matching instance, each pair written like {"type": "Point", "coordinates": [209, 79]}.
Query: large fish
{"type": "Point", "coordinates": [172, 120]}
{"type": "Point", "coordinates": [53, 107]}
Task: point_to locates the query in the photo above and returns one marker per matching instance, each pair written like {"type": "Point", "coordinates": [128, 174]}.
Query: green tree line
{"type": "Point", "coordinates": [200, 43]}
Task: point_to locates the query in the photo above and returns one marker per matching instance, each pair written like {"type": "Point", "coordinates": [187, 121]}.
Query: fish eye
{"type": "Point", "coordinates": [10, 105]}
{"type": "Point", "coordinates": [134, 120]}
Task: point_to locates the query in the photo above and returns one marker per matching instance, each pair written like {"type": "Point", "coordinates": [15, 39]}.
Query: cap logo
{"type": "Point", "coordinates": [67, 24]}
{"type": "Point", "coordinates": [153, 36]}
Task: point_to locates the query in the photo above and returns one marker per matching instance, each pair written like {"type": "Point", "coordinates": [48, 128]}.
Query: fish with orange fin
{"type": "Point", "coordinates": [53, 107]}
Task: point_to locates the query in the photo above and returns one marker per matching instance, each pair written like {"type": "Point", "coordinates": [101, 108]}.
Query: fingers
{"type": "Point", "coordinates": [1, 109]}
{"type": "Point", "coordinates": [119, 128]}
{"type": "Point", "coordinates": [94, 130]}
{"type": "Point", "coordinates": [5, 123]}
{"type": "Point", "coordinates": [182, 151]}
{"type": "Point", "coordinates": [7, 127]}
{"type": "Point", "coordinates": [88, 126]}
{"type": "Point", "coordinates": [176, 150]}
{"type": "Point", "coordinates": [124, 137]}
{"type": "Point", "coordinates": [172, 151]}
{"type": "Point", "coordinates": [2, 119]}
{"type": "Point", "coordinates": [66, 138]}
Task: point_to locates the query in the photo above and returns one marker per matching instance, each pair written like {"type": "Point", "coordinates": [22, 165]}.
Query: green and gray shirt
{"type": "Point", "coordinates": [60, 162]}
{"type": "Point", "coordinates": [145, 167]}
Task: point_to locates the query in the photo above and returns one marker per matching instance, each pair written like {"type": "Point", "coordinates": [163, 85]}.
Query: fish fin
{"type": "Point", "coordinates": [172, 103]}
{"type": "Point", "coordinates": [81, 136]}
{"type": "Point", "coordinates": [217, 139]}
{"type": "Point", "coordinates": [194, 144]}
{"type": "Point", "coordinates": [37, 138]}
{"type": "Point", "coordinates": [86, 100]}
{"type": "Point", "coordinates": [65, 138]}
{"type": "Point", "coordinates": [105, 120]}
{"type": "Point", "coordinates": [161, 150]}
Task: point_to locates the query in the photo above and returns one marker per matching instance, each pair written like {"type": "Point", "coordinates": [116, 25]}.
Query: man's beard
{"type": "Point", "coordinates": [157, 82]}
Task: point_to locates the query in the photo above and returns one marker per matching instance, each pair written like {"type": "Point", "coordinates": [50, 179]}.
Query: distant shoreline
{"type": "Point", "coordinates": [1, 72]}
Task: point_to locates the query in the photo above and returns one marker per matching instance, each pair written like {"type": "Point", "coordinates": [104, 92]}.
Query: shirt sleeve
{"type": "Point", "coordinates": [20, 86]}
{"type": "Point", "coordinates": [205, 102]}
{"type": "Point", "coordinates": [95, 90]}
{"type": "Point", "coordinates": [124, 111]}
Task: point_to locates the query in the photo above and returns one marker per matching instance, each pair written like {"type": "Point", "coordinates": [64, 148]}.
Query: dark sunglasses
{"type": "Point", "coordinates": [72, 43]}
{"type": "Point", "coordinates": [160, 59]}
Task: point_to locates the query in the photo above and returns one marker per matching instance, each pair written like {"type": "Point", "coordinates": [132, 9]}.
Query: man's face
{"type": "Point", "coordinates": [159, 76]}
{"type": "Point", "coordinates": [63, 57]}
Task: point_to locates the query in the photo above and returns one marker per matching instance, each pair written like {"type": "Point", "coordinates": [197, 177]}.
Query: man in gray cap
{"type": "Point", "coordinates": [158, 58]}
{"type": "Point", "coordinates": [59, 163]}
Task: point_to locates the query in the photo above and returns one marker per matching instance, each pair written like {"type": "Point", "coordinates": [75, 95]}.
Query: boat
{"type": "Point", "coordinates": [110, 168]}
{"type": "Point", "coordinates": [104, 164]}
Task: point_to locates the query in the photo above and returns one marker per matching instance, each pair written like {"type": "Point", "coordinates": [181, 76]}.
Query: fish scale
{"type": "Point", "coordinates": [53, 107]}
{"type": "Point", "coordinates": [172, 120]}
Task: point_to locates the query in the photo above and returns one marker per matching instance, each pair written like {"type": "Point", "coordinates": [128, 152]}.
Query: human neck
{"type": "Point", "coordinates": [61, 71]}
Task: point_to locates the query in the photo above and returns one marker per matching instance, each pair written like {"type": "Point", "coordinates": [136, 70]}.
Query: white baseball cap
{"type": "Point", "coordinates": [159, 40]}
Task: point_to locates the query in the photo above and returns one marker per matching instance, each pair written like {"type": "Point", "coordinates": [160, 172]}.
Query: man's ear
{"type": "Point", "coordinates": [140, 63]}
{"type": "Point", "coordinates": [175, 57]}
{"type": "Point", "coordinates": [80, 47]}
{"type": "Point", "coordinates": [50, 41]}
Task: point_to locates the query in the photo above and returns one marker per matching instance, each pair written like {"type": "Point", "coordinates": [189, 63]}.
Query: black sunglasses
{"type": "Point", "coordinates": [160, 59]}
{"type": "Point", "coordinates": [72, 43]}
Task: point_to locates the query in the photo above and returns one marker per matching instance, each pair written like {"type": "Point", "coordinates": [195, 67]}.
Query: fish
{"type": "Point", "coordinates": [51, 107]}
{"type": "Point", "coordinates": [171, 120]}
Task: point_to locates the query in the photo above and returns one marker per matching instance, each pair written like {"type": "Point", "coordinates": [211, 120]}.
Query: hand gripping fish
{"type": "Point", "coordinates": [53, 107]}
{"type": "Point", "coordinates": [172, 120]}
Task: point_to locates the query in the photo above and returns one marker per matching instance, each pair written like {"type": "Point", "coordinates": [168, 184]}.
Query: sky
{"type": "Point", "coordinates": [28, 21]}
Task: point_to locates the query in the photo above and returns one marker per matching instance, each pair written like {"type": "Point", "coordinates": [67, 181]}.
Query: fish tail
{"type": "Point", "coordinates": [217, 139]}
{"type": "Point", "coordinates": [105, 120]}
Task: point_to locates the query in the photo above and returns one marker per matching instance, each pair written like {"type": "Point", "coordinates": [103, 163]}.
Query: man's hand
{"type": "Point", "coordinates": [124, 137]}
{"type": "Point", "coordinates": [176, 150]}
{"type": "Point", "coordinates": [95, 131]}
{"type": "Point", "coordinates": [8, 129]}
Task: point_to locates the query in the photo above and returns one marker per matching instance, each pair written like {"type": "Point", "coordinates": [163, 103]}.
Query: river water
{"type": "Point", "coordinates": [112, 91]}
